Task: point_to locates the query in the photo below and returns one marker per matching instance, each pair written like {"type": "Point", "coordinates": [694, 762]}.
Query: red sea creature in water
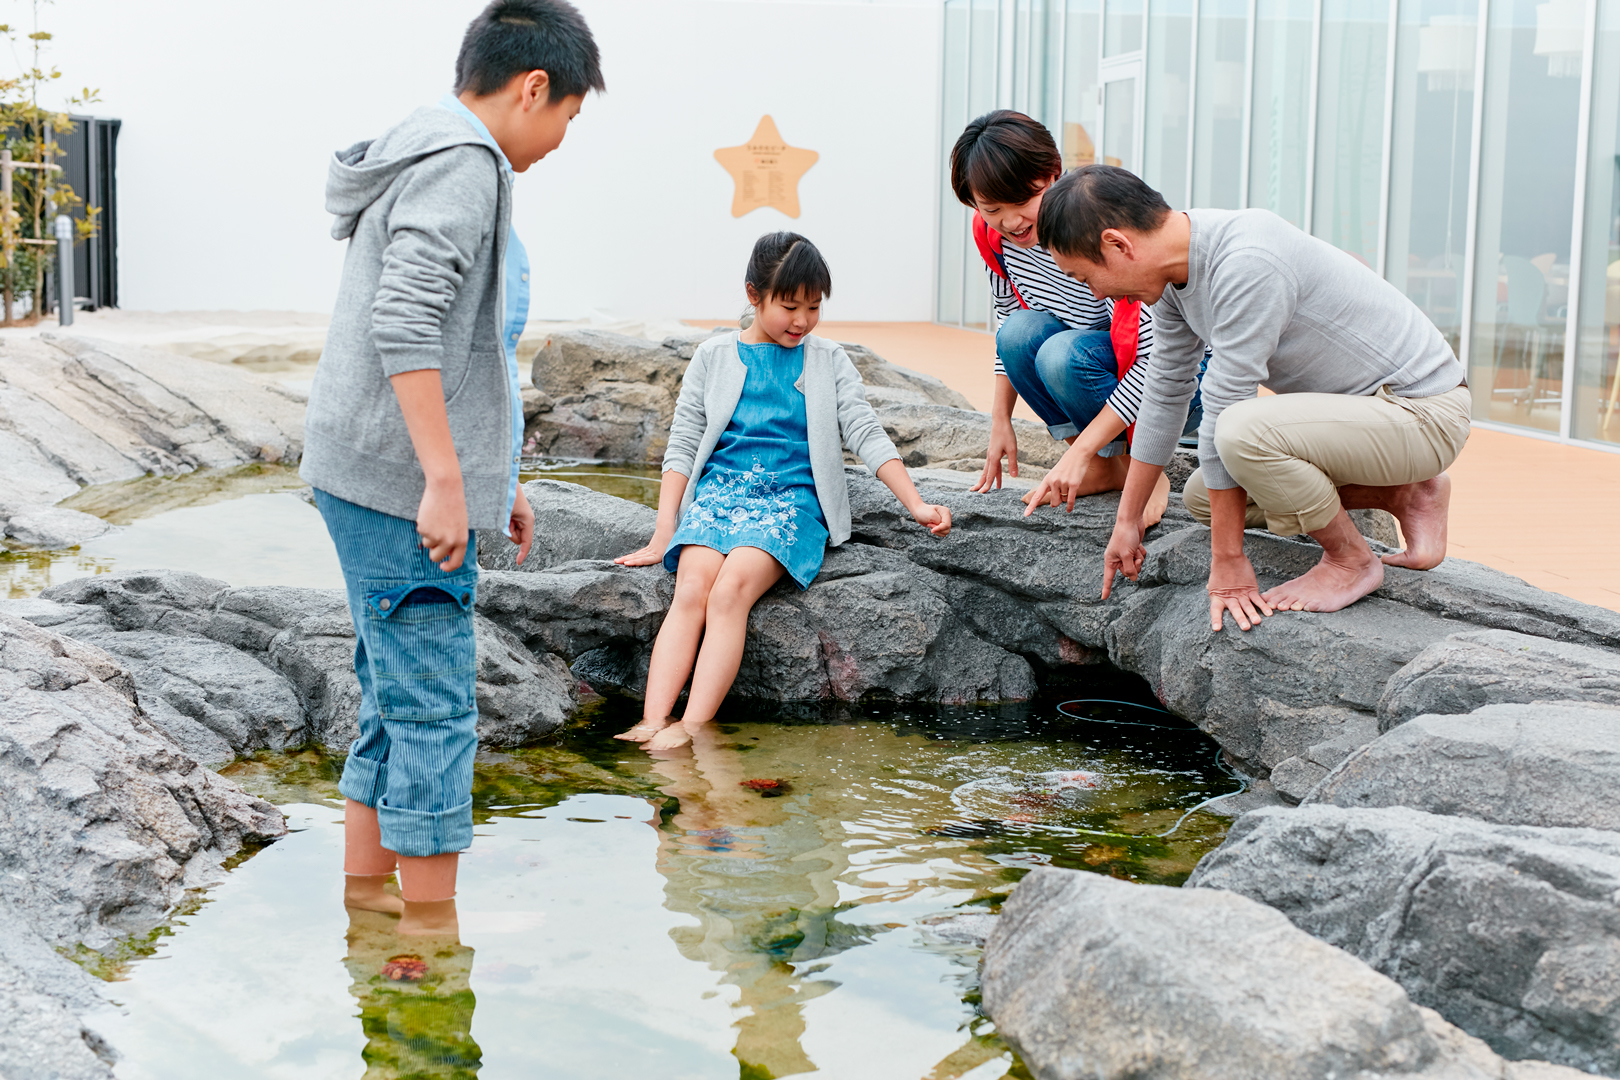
{"type": "Point", "coordinates": [769, 789]}
{"type": "Point", "coordinates": [406, 967]}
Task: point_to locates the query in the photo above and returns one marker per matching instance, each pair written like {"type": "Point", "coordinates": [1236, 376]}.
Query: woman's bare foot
{"type": "Point", "coordinates": [1423, 510]}
{"type": "Point", "coordinates": [644, 731]}
{"type": "Point", "coordinates": [1335, 582]}
{"type": "Point", "coordinates": [1157, 503]}
{"type": "Point", "coordinates": [672, 737]}
{"type": "Point", "coordinates": [368, 892]}
{"type": "Point", "coordinates": [430, 918]}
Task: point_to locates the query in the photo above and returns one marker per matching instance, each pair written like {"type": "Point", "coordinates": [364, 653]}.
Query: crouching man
{"type": "Point", "coordinates": [1370, 403]}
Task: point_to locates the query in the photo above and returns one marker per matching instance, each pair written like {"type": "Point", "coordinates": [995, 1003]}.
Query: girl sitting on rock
{"type": "Point", "coordinates": [762, 421]}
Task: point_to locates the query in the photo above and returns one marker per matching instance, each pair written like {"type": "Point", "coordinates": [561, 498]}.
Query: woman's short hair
{"type": "Point", "coordinates": [1003, 157]}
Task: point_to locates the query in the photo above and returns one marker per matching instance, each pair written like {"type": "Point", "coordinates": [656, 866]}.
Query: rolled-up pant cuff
{"type": "Point", "coordinates": [419, 833]}
{"type": "Point", "coordinates": [363, 780]}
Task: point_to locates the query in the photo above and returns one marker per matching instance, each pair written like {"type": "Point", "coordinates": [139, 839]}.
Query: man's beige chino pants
{"type": "Point", "coordinates": [1292, 452]}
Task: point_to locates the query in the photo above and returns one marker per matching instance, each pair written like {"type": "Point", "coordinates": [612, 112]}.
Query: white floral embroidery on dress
{"type": "Point", "coordinates": [732, 501]}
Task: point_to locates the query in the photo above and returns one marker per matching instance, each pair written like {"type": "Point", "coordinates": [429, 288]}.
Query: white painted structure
{"type": "Point", "coordinates": [232, 110]}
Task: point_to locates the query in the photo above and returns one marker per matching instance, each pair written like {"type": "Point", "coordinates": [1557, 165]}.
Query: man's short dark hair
{"type": "Point", "coordinates": [515, 37]}
{"type": "Point", "coordinates": [1083, 203]}
{"type": "Point", "coordinates": [1003, 157]}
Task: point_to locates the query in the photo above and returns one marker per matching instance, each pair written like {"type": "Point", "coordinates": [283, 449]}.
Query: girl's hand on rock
{"type": "Point", "coordinates": [936, 518]}
{"type": "Point", "coordinates": [652, 553]}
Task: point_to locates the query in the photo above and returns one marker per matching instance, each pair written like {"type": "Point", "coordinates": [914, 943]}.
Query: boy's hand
{"type": "Point", "coordinates": [441, 522]}
{"type": "Point", "coordinates": [520, 530]}
{"type": "Point", "coordinates": [936, 518]}
{"type": "Point", "coordinates": [652, 553]}
{"type": "Point", "coordinates": [1125, 554]}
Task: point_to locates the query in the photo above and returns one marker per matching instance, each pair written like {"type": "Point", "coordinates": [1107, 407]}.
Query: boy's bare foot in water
{"type": "Point", "coordinates": [368, 892]}
{"type": "Point", "coordinates": [430, 918]}
{"type": "Point", "coordinates": [672, 737]}
{"type": "Point", "coordinates": [644, 731]}
{"type": "Point", "coordinates": [1423, 510]}
{"type": "Point", "coordinates": [1348, 571]}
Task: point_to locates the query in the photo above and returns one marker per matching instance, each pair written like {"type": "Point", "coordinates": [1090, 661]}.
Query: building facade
{"type": "Point", "coordinates": [1467, 150]}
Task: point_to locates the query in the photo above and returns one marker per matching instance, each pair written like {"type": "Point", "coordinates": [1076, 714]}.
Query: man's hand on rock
{"type": "Point", "coordinates": [1233, 587]}
{"type": "Point", "coordinates": [1003, 443]}
{"type": "Point", "coordinates": [1125, 554]}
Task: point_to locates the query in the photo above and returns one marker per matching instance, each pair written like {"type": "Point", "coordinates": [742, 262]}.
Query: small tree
{"type": "Point", "coordinates": [38, 194]}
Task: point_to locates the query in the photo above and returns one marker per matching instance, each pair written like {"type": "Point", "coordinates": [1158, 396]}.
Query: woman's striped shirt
{"type": "Point", "coordinates": [1046, 288]}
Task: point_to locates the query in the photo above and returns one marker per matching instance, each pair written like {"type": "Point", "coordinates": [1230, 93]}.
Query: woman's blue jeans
{"type": "Point", "coordinates": [1066, 375]}
{"type": "Point", "coordinates": [416, 656]}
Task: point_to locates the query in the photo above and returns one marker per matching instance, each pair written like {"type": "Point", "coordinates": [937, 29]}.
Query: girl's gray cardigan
{"type": "Point", "coordinates": [835, 410]}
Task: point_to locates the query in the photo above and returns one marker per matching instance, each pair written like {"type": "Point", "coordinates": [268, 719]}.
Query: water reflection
{"type": "Point", "coordinates": [416, 1001]}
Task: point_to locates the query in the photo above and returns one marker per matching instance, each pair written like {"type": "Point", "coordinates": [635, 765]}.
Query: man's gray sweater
{"type": "Point", "coordinates": [1281, 310]}
{"type": "Point", "coordinates": [426, 211]}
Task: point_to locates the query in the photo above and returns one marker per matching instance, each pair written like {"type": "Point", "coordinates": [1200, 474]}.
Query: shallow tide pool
{"type": "Point", "coordinates": [775, 902]}
{"type": "Point", "coordinates": [763, 906]}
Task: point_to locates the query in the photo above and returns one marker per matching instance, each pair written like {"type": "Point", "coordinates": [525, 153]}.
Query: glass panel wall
{"type": "Point", "coordinates": [1597, 383]}
{"type": "Point", "coordinates": [1439, 142]}
{"type": "Point", "coordinates": [1526, 208]}
{"type": "Point", "coordinates": [1430, 156]}
{"type": "Point", "coordinates": [1223, 49]}
{"type": "Point", "coordinates": [1122, 29]}
{"type": "Point", "coordinates": [1350, 125]}
{"type": "Point", "coordinates": [1167, 133]}
{"type": "Point", "coordinates": [1279, 125]}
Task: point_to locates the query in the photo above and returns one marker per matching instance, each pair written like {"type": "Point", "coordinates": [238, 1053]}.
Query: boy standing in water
{"type": "Point", "coordinates": [414, 429]}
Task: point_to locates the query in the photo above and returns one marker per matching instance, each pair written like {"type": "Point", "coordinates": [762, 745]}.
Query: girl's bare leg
{"type": "Point", "coordinates": [428, 885]}
{"type": "Point", "coordinates": [742, 580]}
{"type": "Point", "coordinates": [677, 642]}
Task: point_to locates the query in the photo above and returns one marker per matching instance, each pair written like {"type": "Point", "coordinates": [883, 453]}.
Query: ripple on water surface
{"type": "Point", "coordinates": [763, 906]}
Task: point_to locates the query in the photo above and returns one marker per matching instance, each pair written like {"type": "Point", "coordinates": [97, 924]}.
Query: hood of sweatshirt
{"type": "Point", "coordinates": [359, 175]}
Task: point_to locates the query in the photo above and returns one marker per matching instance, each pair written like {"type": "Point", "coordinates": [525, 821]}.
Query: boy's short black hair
{"type": "Point", "coordinates": [1083, 203]}
{"type": "Point", "coordinates": [514, 37]}
{"type": "Point", "coordinates": [785, 264]}
{"type": "Point", "coordinates": [1003, 157]}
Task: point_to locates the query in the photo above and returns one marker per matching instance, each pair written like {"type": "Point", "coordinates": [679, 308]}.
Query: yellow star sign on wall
{"type": "Point", "coordinates": [766, 171]}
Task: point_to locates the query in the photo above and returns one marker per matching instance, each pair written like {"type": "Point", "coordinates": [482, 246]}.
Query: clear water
{"type": "Point", "coordinates": [764, 905]}
{"type": "Point", "coordinates": [626, 916]}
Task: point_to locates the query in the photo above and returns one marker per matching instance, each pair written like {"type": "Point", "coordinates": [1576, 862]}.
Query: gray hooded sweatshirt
{"type": "Point", "coordinates": [426, 210]}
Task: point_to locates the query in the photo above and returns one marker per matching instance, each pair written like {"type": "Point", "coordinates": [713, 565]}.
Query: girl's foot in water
{"type": "Point", "coordinates": [672, 737]}
{"type": "Point", "coordinates": [368, 892]}
{"type": "Point", "coordinates": [644, 731]}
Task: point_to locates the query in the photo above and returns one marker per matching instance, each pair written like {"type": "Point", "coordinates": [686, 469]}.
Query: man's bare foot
{"type": "Point", "coordinates": [644, 731]}
{"type": "Point", "coordinates": [1157, 503]}
{"type": "Point", "coordinates": [368, 893]}
{"type": "Point", "coordinates": [1335, 582]}
{"type": "Point", "coordinates": [672, 737]}
{"type": "Point", "coordinates": [1423, 510]}
{"type": "Point", "coordinates": [430, 918]}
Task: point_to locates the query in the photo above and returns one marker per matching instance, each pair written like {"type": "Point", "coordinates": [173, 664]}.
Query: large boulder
{"type": "Point", "coordinates": [1510, 932]}
{"type": "Point", "coordinates": [1552, 765]}
{"type": "Point", "coordinates": [228, 670]}
{"type": "Point", "coordinates": [1484, 667]}
{"type": "Point", "coordinates": [42, 997]}
{"type": "Point", "coordinates": [571, 522]}
{"type": "Point", "coordinates": [77, 411]}
{"type": "Point", "coordinates": [49, 527]}
{"type": "Point", "coordinates": [608, 396]}
{"type": "Point", "coordinates": [1090, 978]}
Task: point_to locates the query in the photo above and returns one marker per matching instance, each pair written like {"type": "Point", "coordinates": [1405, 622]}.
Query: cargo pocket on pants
{"type": "Point", "coordinates": [421, 646]}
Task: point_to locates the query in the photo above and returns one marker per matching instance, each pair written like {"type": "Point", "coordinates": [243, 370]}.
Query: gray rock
{"type": "Point", "coordinates": [1089, 977]}
{"type": "Point", "coordinates": [107, 820]}
{"type": "Point", "coordinates": [272, 667]}
{"type": "Point", "coordinates": [571, 522]}
{"type": "Point", "coordinates": [51, 527]}
{"type": "Point", "coordinates": [901, 384]}
{"type": "Point", "coordinates": [924, 434]}
{"type": "Point", "coordinates": [961, 928]}
{"type": "Point", "coordinates": [42, 996]}
{"type": "Point", "coordinates": [1510, 932]}
{"type": "Point", "coordinates": [1553, 765]}
{"type": "Point", "coordinates": [75, 411]}
{"type": "Point", "coordinates": [1484, 667]}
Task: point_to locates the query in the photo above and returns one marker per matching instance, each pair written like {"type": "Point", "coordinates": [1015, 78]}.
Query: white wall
{"type": "Point", "coordinates": [231, 110]}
